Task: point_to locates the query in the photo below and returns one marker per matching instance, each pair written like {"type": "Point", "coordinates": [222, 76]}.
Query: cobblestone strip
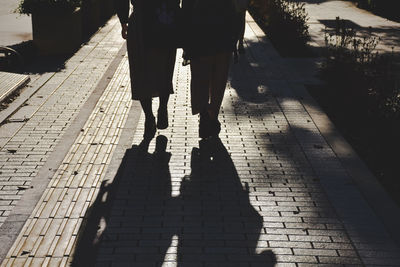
{"type": "Point", "coordinates": [40, 124]}
{"type": "Point", "coordinates": [364, 229]}
{"type": "Point", "coordinates": [49, 235]}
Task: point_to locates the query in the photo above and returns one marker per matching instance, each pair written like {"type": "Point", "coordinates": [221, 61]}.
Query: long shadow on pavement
{"type": "Point", "coordinates": [137, 222]}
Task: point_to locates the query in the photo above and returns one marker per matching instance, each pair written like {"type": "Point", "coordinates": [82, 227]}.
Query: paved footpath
{"type": "Point", "coordinates": [322, 15]}
{"type": "Point", "coordinates": [271, 192]}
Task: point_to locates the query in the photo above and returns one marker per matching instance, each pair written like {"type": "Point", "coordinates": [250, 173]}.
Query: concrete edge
{"type": "Point", "coordinates": [17, 86]}
{"type": "Point", "coordinates": [124, 143]}
{"type": "Point", "coordinates": [387, 211]}
{"type": "Point", "coordinates": [373, 192]}
{"type": "Point", "coordinates": [11, 228]}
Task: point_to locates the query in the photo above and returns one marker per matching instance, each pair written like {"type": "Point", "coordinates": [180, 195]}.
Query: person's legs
{"type": "Point", "coordinates": [209, 77]}
{"type": "Point", "coordinates": [165, 64]}
{"type": "Point", "coordinates": [201, 70]}
{"type": "Point", "coordinates": [149, 124]}
{"type": "Point", "coordinates": [162, 113]}
{"type": "Point", "coordinates": [218, 83]}
{"type": "Point", "coordinates": [209, 124]}
{"type": "Point", "coordinates": [147, 107]}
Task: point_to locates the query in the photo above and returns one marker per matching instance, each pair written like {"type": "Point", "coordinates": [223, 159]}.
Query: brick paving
{"type": "Point", "coordinates": [271, 192]}
{"type": "Point", "coordinates": [322, 15]}
{"type": "Point", "coordinates": [30, 135]}
{"type": "Point", "coordinates": [10, 82]}
{"type": "Point", "coordinates": [54, 223]}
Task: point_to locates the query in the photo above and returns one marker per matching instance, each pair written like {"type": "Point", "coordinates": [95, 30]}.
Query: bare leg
{"type": "Point", "coordinates": [201, 69]}
{"type": "Point", "coordinates": [147, 107]}
{"type": "Point", "coordinates": [162, 114]}
{"type": "Point", "coordinates": [149, 124]}
{"type": "Point", "coordinates": [219, 80]}
{"type": "Point", "coordinates": [163, 102]}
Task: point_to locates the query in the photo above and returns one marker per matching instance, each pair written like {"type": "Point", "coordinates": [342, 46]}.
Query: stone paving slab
{"type": "Point", "coordinates": [274, 192]}
{"type": "Point", "coordinates": [9, 82]}
{"type": "Point", "coordinates": [322, 15]}
{"type": "Point", "coordinates": [54, 224]}
{"type": "Point", "coordinates": [270, 192]}
{"type": "Point", "coordinates": [30, 135]}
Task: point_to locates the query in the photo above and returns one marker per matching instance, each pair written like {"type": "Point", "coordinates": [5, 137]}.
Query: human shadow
{"type": "Point", "coordinates": [211, 222]}
{"type": "Point", "coordinates": [126, 220]}
{"type": "Point", "coordinates": [221, 227]}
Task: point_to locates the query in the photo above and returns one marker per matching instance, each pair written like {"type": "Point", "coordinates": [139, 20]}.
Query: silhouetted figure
{"type": "Point", "coordinates": [221, 226]}
{"type": "Point", "coordinates": [212, 34]}
{"type": "Point", "coordinates": [150, 33]}
{"type": "Point", "coordinates": [240, 45]}
{"type": "Point", "coordinates": [210, 223]}
{"type": "Point", "coordinates": [91, 231]}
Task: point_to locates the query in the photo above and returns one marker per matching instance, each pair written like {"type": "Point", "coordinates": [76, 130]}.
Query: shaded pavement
{"type": "Point", "coordinates": [273, 191]}
{"type": "Point", "coordinates": [322, 15]}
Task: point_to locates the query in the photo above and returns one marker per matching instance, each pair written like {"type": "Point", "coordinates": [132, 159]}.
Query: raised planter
{"type": "Point", "coordinates": [57, 33]}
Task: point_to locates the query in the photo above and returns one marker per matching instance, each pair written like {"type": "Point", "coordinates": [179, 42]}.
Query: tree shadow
{"type": "Point", "coordinates": [135, 221]}
{"type": "Point", "coordinates": [293, 150]}
{"type": "Point", "coordinates": [250, 78]}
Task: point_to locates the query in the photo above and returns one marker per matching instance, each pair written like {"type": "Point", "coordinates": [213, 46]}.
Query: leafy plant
{"type": "Point", "coordinates": [285, 21]}
{"type": "Point", "coordinates": [32, 6]}
{"type": "Point", "coordinates": [373, 78]}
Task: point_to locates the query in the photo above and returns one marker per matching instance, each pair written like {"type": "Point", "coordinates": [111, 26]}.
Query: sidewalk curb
{"type": "Point", "coordinates": [23, 80]}
{"type": "Point", "coordinates": [375, 195]}
{"type": "Point", "coordinates": [384, 208]}
{"type": "Point", "coordinates": [14, 223]}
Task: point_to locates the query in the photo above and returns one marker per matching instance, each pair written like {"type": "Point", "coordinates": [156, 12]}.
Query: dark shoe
{"type": "Point", "coordinates": [162, 119]}
{"type": "Point", "coordinates": [149, 128]}
{"type": "Point", "coordinates": [241, 49]}
{"type": "Point", "coordinates": [204, 125]}
{"type": "Point", "coordinates": [235, 57]}
{"type": "Point", "coordinates": [216, 128]}
{"type": "Point", "coordinates": [208, 127]}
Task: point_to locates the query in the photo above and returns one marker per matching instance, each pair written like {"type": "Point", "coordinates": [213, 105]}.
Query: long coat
{"type": "Point", "coordinates": [151, 63]}
{"type": "Point", "coordinates": [212, 26]}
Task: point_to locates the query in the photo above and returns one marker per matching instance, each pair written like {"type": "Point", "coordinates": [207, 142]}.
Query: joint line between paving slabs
{"type": "Point", "coordinates": [14, 223]}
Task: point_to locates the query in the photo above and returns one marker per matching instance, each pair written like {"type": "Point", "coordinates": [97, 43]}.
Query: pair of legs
{"type": "Point", "coordinates": [151, 76]}
{"type": "Point", "coordinates": [209, 77]}
{"type": "Point", "coordinates": [162, 115]}
{"type": "Point", "coordinates": [147, 106]}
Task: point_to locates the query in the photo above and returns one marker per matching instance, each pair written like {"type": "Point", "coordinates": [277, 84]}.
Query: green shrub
{"type": "Point", "coordinates": [372, 78]}
{"type": "Point", "coordinates": [285, 21]}
{"type": "Point", "coordinates": [32, 6]}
